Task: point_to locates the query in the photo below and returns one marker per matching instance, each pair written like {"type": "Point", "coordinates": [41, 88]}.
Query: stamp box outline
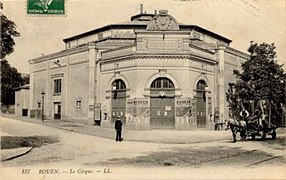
{"type": "Point", "coordinates": [47, 14]}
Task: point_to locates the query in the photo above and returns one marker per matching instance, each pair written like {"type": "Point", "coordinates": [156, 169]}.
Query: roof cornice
{"type": "Point", "coordinates": [59, 54]}
{"type": "Point", "coordinates": [155, 56]}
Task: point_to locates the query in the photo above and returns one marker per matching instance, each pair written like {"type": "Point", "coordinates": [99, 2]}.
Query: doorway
{"type": "Point", "coordinates": [201, 104]}
{"type": "Point", "coordinates": [162, 104]}
{"type": "Point", "coordinates": [57, 110]}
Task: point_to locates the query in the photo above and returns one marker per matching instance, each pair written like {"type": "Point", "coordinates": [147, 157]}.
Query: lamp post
{"type": "Point", "coordinates": [43, 101]}
{"type": "Point", "coordinates": [114, 90]}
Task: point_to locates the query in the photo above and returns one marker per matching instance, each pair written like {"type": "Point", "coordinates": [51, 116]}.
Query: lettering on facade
{"type": "Point", "coordinates": [141, 102]}
{"type": "Point", "coordinates": [164, 45]}
{"type": "Point", "coordinates": [184, 102]}
{"type": "Point", "coordinates": [123, 34]}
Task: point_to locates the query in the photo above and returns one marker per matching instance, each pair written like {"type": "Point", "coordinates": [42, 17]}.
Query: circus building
{"type": "Point", "coordinates": [153, 71]}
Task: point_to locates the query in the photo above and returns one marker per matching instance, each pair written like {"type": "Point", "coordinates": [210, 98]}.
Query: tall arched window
{"type": "Point", "coordinates": [201, 103]}
{"type": "Point", "coordinates": [118, 100]}
{"type": "Point", "coordinates": [201, 87]}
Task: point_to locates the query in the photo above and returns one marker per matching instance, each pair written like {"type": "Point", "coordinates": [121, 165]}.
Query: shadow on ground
{"type": "Point", "coordinates": [195, 157]}
{"type": "Point", "coordinates": [11, 142]}
{"type": "Point", "coordinates": [279, 141]}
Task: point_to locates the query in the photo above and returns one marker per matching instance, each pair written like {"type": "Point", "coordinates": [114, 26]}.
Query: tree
{"type": "Point", "coordinates": [10, 78]}
{"type": "Point", "coordinates": [262, 78]}
{"type": "Point", "coordinates": [8, 31]}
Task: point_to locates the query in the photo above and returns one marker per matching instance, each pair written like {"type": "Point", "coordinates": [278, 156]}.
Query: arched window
{"type": "Point", "coordinates": [162, 83]}
{"type": "Point", "coordinates": [118, 85]}
{"type": "Point", "coordinates": [201, 88]}
{"type": "Point", "coordinates": [201, 85]}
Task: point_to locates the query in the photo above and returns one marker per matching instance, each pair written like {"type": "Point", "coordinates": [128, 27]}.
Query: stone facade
{"type": "Point", "coordinates": [152, 71]}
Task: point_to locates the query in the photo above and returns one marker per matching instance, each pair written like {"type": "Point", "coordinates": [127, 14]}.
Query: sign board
{"type": "Point", "coordinates": [183, 102]}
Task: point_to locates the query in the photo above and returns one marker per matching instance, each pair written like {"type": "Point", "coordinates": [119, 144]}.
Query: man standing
{"type": "Point", "coordinates": [118, 128]}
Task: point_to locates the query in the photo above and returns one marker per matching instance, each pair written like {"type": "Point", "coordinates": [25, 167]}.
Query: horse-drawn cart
{"type": "Point", "coordinates": [251, 129]}
{"type": "Point", "coordinates": [252, 132]}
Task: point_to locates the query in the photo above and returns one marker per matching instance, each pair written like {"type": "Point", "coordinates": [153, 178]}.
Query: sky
{"type": "Point", "coordinates": [241, 21]}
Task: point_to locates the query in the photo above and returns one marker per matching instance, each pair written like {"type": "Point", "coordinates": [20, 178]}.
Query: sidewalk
{"type": "Point", "coordinates": [157, 136]}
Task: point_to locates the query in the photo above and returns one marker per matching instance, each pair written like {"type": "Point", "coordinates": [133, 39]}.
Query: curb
{"type": "Point", "coordinates": [19, 155]}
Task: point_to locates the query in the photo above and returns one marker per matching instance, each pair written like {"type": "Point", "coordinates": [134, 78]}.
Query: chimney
{"type": "Point", "coordinates": [155, 12]}
{"type": "Point", "coordinates": [141, 8]}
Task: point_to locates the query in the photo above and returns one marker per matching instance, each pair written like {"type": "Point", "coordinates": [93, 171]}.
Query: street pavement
{"type": "Point", "coordinates": [80, 149]}
{"type": "Point", "coordinates": [155, 136]}
{"type": "Point", "coordinates": [169, 136]}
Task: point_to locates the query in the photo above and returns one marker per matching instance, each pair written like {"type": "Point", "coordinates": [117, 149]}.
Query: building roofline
{"type": "Point", "coordinates": [138, 15]}
{"type": "Point", "coordinates": [60, 53]}
{"type": "Point", "coordinates": [108, 27]}
{"type": "Point", "coordinates": [200, 29]}
{"type": "Point", "coordinates": [237, 52]}
{"type": "Point", "coordinates": [111, 26]}
{"type": "Point", "coordinates": [26, 86]}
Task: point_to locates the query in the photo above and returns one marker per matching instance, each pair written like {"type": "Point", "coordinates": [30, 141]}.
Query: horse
{"type": "Point", "coordinates": [236, 126]}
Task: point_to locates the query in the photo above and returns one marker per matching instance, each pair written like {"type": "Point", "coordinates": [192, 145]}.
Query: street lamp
{"type": "Point", "coordinates": [114, 90]}
{"type": "Point", "coordinates": [206, 88]}
{"type": "Point", "coordinates": [43, 100]}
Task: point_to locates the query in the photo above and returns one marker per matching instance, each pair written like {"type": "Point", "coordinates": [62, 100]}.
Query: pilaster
{"type": "Point", "coordinates": [220, 85]}
{"type": "Point", "coordinates": [92, 79]}
{"type": "Point", "coordinates": [67, 88]}
{"type": "Point", "coordinates": [31, 90]}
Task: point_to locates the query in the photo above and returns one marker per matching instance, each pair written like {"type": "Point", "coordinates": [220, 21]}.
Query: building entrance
{"type": "Point", "coordinates": [57, 110]}
{"type": "Point", "coordinates": [201, 104]}
{"type": "Point", "coordinates": [162, 104]}
{"type": "Point", "coordinates": [118, 101]}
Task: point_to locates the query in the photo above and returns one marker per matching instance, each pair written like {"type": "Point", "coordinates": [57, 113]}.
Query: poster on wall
{"type": "Point", "coordinates": [183, 106]}
{"type": "Point", "coordinates": [97, 111]}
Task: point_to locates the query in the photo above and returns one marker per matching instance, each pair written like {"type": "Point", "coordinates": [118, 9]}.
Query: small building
{"type": "Point", "coordinates": [22, 101]}
{"type": "Point", "coordinates": [152, 71]}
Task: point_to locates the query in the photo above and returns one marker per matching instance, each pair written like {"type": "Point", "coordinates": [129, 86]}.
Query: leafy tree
{"type": "Point", "coordinates": [262, 78]}
{"type": "Point", "coordinates": [10, 78]}
{"type": "Point", "coordinates": [8, 31]}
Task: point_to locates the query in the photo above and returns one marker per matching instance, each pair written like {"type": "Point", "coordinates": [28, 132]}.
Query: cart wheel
{"type": "Point", "coordinates": [263, 137]}
{"type": "Point", "coordinates": [253, 136]}
{"type": "Point", "coordinates": [274, 135]}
